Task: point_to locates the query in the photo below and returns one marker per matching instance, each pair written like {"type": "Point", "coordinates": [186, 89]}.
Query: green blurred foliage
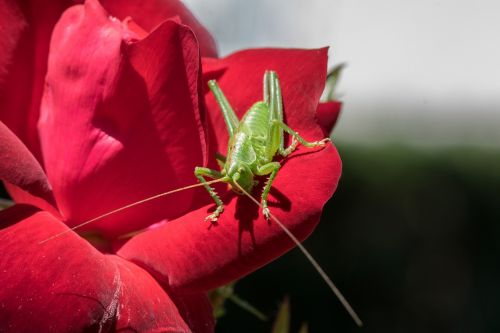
{"type": "Point", "coordinates": [5, 203]}
{"type": "Point", "coordinates": [412, 239]}
{"type": "Point", "coordinates": [219, 297]}
{"type": "Point", "coordinates": [282, 321]}
{"type": "Point", "coordinates": [332, 79]}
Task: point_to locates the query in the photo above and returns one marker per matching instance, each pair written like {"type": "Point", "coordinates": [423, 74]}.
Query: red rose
{"type": "Point", "coordinates": [125, 114]}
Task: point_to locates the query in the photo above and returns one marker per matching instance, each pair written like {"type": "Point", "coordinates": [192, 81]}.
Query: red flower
{"type": "Point", "coordinates": [125, 115]}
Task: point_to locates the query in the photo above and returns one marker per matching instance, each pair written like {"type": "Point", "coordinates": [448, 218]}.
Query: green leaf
{"type": "Point", "coordinates": [4, 203]}
{"type": "Point", "coordinates": [332, 79]}
{"type": "Point", "coordinates": [219, 296]}
{"type": "Point", "coordinates": [282, 322]}
{"type": "Point", "coordinates": [304, 328]}
{"type": "Point", "coordinates": [248, 307]}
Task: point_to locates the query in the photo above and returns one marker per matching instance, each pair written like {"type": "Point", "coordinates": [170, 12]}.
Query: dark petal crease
{"type": "Point", "coordinates": [24, 42]}
{"type": "Point", "coordinates": [149, 14]}
{"type": "Point", "coordinates": [20, 168]}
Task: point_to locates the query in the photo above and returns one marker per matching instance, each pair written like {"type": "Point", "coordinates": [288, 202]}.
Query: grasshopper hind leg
{"type": "Point", "coordinates": [201, 173]}
{"type": "Point", "coordinates": [273, 98]}
{"type": "Point", "coordinates": [296, 138]}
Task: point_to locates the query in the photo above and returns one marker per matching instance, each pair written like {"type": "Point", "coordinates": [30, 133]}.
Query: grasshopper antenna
{"type": "Point", "coordinates": [309, 257]}
{"type": "Point", "coordinates": [154, 197]}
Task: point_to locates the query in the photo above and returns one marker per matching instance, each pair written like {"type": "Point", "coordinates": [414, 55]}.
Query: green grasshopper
{"type": "Point", "coordinates": [253, 144]}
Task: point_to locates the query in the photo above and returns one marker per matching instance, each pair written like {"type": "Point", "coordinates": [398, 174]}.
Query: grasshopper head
{"type": "Point", "coordinates": [244, 178]}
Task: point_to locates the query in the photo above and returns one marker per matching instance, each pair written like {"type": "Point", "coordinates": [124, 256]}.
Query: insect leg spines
{"type": "Point", "coordinates": [230, 117]}
{"type": "Point", "coordinates": [289, 149]}
{"type": "Point", "coordinates": [271, 168]}
{"type": "Point", "coordinates": [200, 173]}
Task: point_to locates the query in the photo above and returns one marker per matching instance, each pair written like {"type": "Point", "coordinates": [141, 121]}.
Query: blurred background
{"type": "Point", "coordinates": [412, 235]}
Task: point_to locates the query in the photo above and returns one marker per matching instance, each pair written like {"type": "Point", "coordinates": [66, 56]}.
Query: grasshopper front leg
{"type": "Point", "coordinates": [221, 160]}
{"type": "Point", "coordinates": [271, 168]}
{"type": "Point", "coordinates": [199, 173]}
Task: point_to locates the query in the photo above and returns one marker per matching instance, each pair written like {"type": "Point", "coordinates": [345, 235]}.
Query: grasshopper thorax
{"type": "Point", "coordinates": [241, 158]}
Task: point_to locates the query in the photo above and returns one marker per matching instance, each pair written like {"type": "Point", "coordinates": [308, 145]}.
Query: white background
{"type": "Point", "coordinates": [424, 72]}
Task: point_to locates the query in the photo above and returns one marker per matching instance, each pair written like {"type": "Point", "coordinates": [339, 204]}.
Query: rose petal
{"type": "Point", "coordinates": [24, 41]}
{"type": "Point", "coordinates": [65, 285]}
{"type": "Point", "coordinates": [192, 255]}
{"type": "Point", "coordinates": [328, 114]}
{"type": "Point", "coordinates": [20, 168]}
{"type": "Point", "coordinates": [120, 119]}
{"type": "Point", "coordinates": [149, 14]}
